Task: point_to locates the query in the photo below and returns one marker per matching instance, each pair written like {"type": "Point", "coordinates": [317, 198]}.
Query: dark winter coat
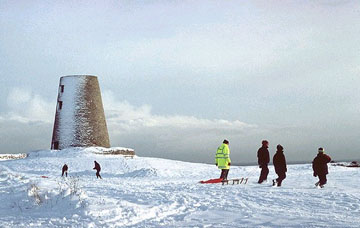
{"type": "Point", "coordinates": [319, 164]}
{"type": "Point", "coordinates": [279, 162]}
{"type": "Point", "coordinates": [97, 166]}
{"type": "Point", "coordinates": [263, 156]}
{"type": "Point", "coordinates": [65, 168]}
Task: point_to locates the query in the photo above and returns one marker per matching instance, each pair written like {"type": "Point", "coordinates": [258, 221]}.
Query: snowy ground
{"type": "Point", "coordinates": [151, 192]}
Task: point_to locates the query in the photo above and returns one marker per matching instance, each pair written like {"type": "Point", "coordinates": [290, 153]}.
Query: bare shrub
{"type": "Point", "coordinates": [34, 192]}
{"type": "Point", "coordinates": [73, 185]}
{"type": "Point", "coordinates": [70, 186]}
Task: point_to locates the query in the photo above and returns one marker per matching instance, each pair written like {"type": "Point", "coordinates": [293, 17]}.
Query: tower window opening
{"type": "Point", "coordinates": [60, 105]}
{"type": "Point", "coordinates": [61, 88]}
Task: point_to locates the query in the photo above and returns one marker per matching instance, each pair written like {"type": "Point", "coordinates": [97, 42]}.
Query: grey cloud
{"type": "Point", "coordinates": [21, 137]}
{"type": "Point", "coordinates": [289, 65]}
{"type": "Point", "coordinates": [185, 138]}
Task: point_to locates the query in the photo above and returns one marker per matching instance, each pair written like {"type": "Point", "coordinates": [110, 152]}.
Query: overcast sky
{"type": "Point", "coordinates": [178, 77]}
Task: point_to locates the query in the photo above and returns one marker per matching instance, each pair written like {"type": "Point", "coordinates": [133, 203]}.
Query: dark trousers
{"type": "Point", "coordinates": [264, 173]}
{"type": "Point", "coordinates": [63, 173]}
{"type": "Point", "coordinates": [281, 177]}
{"type": "Point", "coordinates": [322, 179]}
{"type": "Point", "coordinates": [98, 174]}
{"type": "Point", "coordinates": [224, 174]}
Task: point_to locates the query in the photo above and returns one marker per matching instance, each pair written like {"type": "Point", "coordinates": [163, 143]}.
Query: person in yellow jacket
{"type": "Point", "coordinates": [222, 159]}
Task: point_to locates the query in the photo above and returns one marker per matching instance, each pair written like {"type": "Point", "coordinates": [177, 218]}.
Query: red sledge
{"type": "Point", "coordinates": [211, 181]}
{"type": "Point", "coordinates": [220, 180]}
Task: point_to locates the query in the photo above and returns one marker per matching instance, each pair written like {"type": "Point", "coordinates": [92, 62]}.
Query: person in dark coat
{"type": "Point", "coordinates": [98, 168]}
{"type": "Point", "coordinates": [64, 170]}
{"type": "Point", "coordinates": [279, 162]}
{"type": "Point", "coordinates": [320, 167]}
{"type": "Point", "coordinates": [263, 161]}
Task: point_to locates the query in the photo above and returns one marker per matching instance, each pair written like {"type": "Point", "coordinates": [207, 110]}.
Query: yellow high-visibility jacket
{"type": "Point", "coordinates": [222, 158]}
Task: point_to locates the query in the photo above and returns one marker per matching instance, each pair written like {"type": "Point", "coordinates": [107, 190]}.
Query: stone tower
{"type": "Point", "coordinates": [79, 119]}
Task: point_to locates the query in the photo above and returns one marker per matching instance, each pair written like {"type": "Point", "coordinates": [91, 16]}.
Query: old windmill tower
{"type": "Point", "coordinates": [79, 119]}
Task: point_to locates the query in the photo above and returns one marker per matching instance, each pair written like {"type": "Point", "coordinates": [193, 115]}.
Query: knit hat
{"type": "Point", "coordinates": [321, 150]}
{"type": "Point", "coordinates": [265, 142]}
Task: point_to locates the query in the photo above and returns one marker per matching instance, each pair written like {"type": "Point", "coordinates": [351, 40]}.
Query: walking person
{"type": "Point", "coordinates": [98, 168]}
{"type": "Point", "coordinates": [263, 160]}
{"type": "Point", "coordinates": [64, 170]}
{"type": "Point", "coordinates": [320, 167]}
{"type": "Point", "coordinates": [279, 162]}
{"type": "Point", "coordinates": [222, 159]}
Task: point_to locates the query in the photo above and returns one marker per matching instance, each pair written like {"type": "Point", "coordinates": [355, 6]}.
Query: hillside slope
{"type": "Point", "coordinates": [152, 192]}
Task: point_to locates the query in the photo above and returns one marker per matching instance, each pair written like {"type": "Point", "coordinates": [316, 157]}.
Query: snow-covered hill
{"type": "Point", "coordinates": [152, 192]}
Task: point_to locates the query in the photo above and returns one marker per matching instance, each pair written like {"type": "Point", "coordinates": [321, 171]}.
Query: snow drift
{"type": "Point", "coordinates": [152, 192]}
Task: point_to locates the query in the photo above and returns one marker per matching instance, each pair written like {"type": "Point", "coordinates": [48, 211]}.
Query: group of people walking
{"type": "Point", "coordinates": [97, 168]}
{"type": "Point", "coordinates": [279, 162]}
{"type": "Point", "coordinates": [319, 164]}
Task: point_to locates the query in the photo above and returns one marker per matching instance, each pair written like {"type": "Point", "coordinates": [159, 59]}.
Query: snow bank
{"type": "Point", "coordinates": [111, 151]}
{"type": "Point", "coordinates": [12, 156]}
{"type": "Point", "coordinates": [152, 192]}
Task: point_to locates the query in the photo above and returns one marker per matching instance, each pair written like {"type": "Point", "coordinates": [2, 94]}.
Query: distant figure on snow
{"type": "Point", "coordinates": [279, 162]}
{"type": "Point", "coordinates": [64, 170]}
{"type": "Point", "coordinates": [222, 159]}
{"type": "Point", "coordinates": [97, 167]}
{"type": "Point", "coordinates": [320, 167]}
{"type": "Point", "coordinates": [263, 161]}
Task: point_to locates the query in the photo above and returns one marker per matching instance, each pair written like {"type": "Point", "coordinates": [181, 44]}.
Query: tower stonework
{"type": "Point", "coordinates": [79, 119]}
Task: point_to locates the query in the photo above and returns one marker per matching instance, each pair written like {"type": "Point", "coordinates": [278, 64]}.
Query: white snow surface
{"type": "Point", "coordinates": [153, 192]}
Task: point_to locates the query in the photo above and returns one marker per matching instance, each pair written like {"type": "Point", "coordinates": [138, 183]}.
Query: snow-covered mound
{"type": "Point", "coordinates": [12, 156]}
{"type": "Point", "coordinates": [152, 192]}
{"type": "Point", "coordinates": [111, 151]}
